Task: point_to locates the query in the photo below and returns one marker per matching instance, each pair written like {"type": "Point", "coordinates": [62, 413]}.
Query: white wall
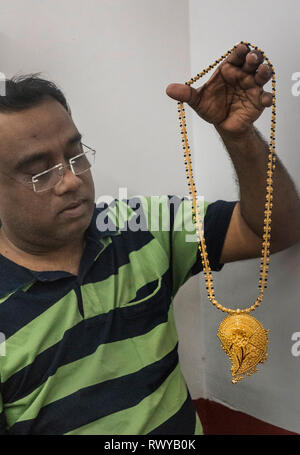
{"type": "Point", "coordinates": [113, 59]}
{"type": "Point", "coordinates": [272, 394]}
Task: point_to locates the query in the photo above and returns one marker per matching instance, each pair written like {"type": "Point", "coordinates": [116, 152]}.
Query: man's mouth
{"type": "Point", "coordinates": [72, 205]}
{"type": "Point", "coordinates": [74, 209]}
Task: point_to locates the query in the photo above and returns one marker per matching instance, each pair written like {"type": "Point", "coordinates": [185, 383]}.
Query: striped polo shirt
{"type": "Point", "coordinates": [97, 353]}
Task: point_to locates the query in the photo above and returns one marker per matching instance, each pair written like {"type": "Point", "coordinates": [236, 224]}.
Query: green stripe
{"type": "Point", "coordinates": [121, 213]}
{"type": "Point", "coordinates": [151, 412]}
{"type": "Point", "coordinates": [198, 428]}
{"type": "Point", "coordinates": [152, 208]}
{"type": "Point", "coordinates": [25, 288]}
{"type": "Point", "coordinates": [105, 242]}
{"type": "Point", "coordinates": [39, 334]}
{"type": "Point", "coordinates": [156, 211]}
{"type": "Point", "coordinates": [146, 264]}
{"type": "Point", "coordinates": [184, 250]}
{"type": "Point", "coordinates": [148, 296]}
{"type": "Point", "coordinates": [28, 286]}
{"type": "Point", "coordinates": [184, 239]}
{"type": "Point", "coordinates": [3, 299]}
{"type": "Point", "coordinates": [117, 359]}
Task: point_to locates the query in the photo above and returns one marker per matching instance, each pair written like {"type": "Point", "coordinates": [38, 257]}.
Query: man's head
{"type": "Point", "coordinates": [35, 118]}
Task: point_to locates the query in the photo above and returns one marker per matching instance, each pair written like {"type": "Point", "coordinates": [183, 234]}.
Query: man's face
{"type": "Point", "coordinates": [36, 219]}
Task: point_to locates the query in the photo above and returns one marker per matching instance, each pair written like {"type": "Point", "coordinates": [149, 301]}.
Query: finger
{"type": "Point", "coordinates": [252, 61]}
{"type": "Point", "coordinates": [237, 57]}
{"type": "Point", "coordinates": [266, 99]}
{"type": "Point", "coordinates": [263, 74]}
{"type": "Point", "coordinates": [184, 93]}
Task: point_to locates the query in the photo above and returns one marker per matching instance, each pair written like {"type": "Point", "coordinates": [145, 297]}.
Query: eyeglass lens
{"type": "Point", "coordinates": [49, 179]}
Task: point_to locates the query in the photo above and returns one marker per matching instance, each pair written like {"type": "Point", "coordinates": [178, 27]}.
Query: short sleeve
{"type": "Point", "coordinates": [217, 218]}
{"type": "Point", "coordinates": [185, 253]}
{"type": "Point", "coordinates": [177, 233]}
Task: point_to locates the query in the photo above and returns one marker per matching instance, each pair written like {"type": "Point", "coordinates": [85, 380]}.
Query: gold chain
{"type": "Point", "coordinates": [264, 267]}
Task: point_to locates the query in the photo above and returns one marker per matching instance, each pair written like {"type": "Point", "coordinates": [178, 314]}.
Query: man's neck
{"type": "Point", "coordinates": [66, 259]}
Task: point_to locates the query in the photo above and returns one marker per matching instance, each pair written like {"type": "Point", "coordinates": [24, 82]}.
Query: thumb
{"type": "Point", "coordinates": [183, 92]}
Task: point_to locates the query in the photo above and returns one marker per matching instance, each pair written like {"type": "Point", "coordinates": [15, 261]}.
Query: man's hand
{"type": "Point", "coordinates": [233, 98]}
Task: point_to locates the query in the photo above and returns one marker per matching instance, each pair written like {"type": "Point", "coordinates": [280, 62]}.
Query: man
{"type": "Point", "coordinates": [91, 343]}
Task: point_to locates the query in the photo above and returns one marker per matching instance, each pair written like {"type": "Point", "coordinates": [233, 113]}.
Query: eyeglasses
{"type": "Point", "coordinates": [48, 179]}
{"type": "Point", "coordinates": [78, 164]}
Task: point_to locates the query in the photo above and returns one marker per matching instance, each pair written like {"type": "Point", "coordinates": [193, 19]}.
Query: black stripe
{"type": "Point", "coordinates": [117, 253]}
{"type": "Point", "coordinates": [13, 276]}
{"type": "Point", "coordinates": [3, 424]}
{"type": "Point", "coordinates": [93, 230]}
{"type": "Point", "coordinates": [77, 290]}
{"type": "Point", "coordinates": [22, 307]}
{"type": "Point", "coordinates": [91, 403]}
{"type": "Point", "coordinates": [145, 290]}
{"type": "Point", "coordinates": [85, 337]}
{"type": "Point", "coordinates": [183, 422]}
{"type": "Point", "coordinates": [173, 204]}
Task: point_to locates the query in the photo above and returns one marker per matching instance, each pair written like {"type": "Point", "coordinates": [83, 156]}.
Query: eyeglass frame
{"type": "Point", "coordinates": [60, 166]}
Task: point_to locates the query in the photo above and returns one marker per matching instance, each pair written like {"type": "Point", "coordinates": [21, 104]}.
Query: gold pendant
{"type": "Point", "coordinates": [245, 341]}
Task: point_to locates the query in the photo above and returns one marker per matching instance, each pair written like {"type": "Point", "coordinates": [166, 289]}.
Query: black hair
{"type": "Point", "coordinates": [24, 91]}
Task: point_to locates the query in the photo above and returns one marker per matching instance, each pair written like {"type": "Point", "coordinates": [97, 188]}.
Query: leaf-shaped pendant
{"type": "Point", "coordinates": [245, 341]}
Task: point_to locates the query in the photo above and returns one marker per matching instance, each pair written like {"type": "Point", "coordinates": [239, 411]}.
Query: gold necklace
{"type": "Point", "coordinates": [243, 338]}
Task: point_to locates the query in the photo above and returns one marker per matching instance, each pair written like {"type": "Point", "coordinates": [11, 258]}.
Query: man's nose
{"type": "Point", "coordinates": [69, 182]}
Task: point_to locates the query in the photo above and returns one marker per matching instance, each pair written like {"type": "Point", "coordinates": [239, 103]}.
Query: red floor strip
{"type": "Point", "coordinates": [218, 419]}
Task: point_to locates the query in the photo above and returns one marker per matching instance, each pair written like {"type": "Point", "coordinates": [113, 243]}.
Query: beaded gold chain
{"type": "Point", "coordinates": [243, 338]}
